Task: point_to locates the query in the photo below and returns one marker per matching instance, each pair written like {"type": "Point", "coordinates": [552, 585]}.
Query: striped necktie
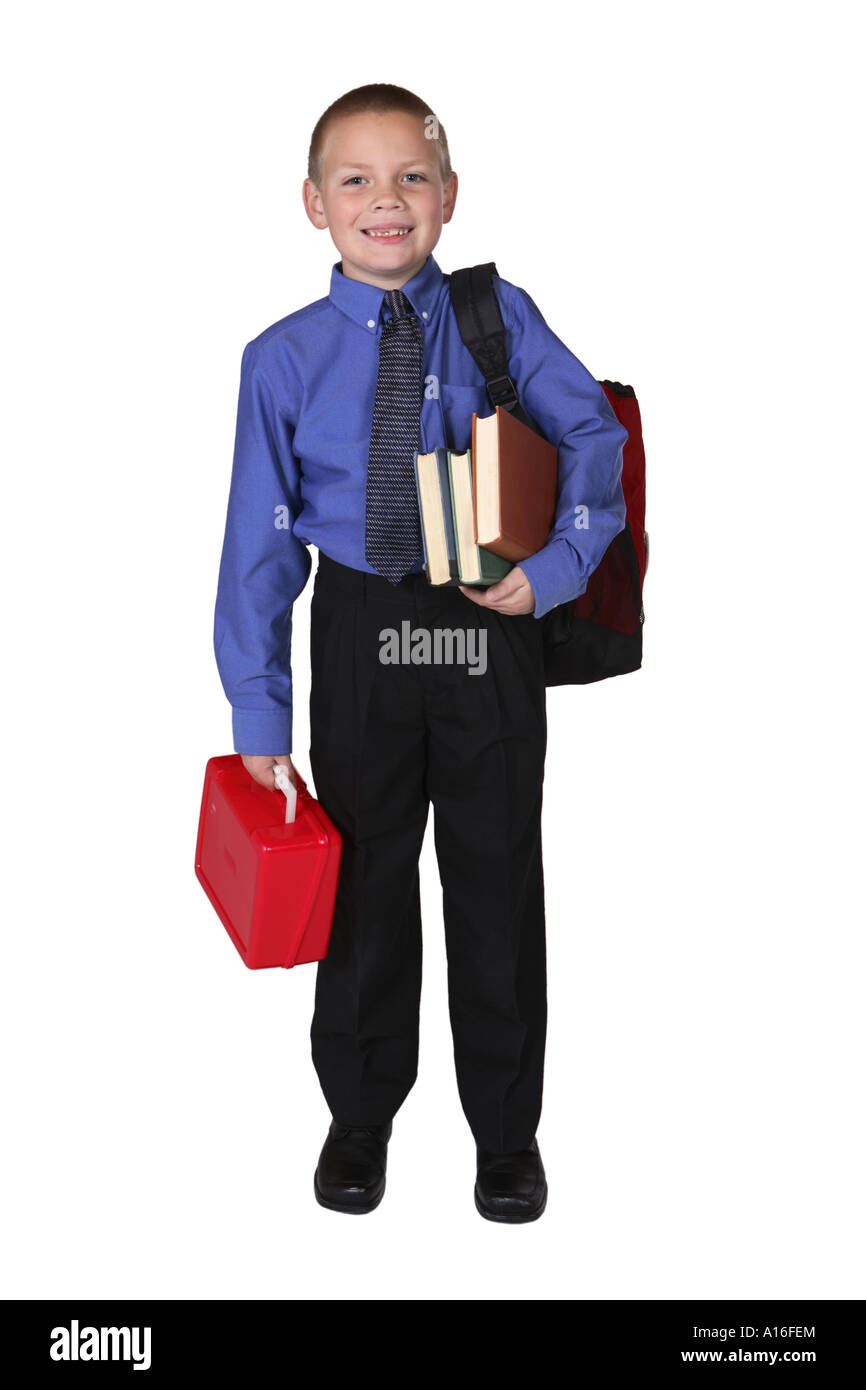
{"type": "Point", "coordinates": [393, 535]}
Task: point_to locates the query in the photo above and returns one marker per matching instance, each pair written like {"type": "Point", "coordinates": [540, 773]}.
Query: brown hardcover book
{"type": "Point", "coordinates": [514, 476]}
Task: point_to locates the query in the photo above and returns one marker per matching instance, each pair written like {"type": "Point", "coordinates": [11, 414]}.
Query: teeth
{"type": "Point", "coordinates": [402, 232]}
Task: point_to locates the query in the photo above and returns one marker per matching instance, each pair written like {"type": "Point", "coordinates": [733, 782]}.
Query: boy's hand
{"type": "Point", "coordinates": [261, 768]}
{"type": "Point", "coordinates": [513, 594]}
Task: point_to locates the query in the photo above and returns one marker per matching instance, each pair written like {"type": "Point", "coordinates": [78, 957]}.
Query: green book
{"type": "Point", "coordinates": [475, 563]}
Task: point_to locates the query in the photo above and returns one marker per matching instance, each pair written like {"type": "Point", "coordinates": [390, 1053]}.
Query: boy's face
{"type": "Point", "coordinates": [380, 171]}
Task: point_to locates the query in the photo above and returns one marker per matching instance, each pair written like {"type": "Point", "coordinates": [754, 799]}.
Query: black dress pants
{"type": "Point", "coordinates": [470, 735]}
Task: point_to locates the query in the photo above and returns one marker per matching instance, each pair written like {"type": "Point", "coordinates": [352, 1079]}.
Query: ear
{"type": "Point", "coordinates": [449, 197]}
{"type": "Point", "coordinates": [313, 205]}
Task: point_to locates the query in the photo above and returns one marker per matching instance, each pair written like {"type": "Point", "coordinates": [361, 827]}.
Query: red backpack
{"type": "Point", "coordinates": [600, 633]}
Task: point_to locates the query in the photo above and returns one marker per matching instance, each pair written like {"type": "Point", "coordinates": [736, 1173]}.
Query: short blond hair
{"type": "Point", "coordinates": [381, 97]}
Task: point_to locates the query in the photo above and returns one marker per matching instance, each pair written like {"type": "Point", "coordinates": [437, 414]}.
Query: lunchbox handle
{"type": "Point", "coordinates": [285, 784]}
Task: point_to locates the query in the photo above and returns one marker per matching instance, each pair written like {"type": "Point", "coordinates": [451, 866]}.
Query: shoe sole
{"type": "Point", "coordinates": [351, 1208]}
{"type": "Point", "coordinates": [510, 1218]}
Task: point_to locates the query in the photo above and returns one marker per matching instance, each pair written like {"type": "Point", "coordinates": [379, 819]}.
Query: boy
{"type": "Point", "coordinates": [334, 400]}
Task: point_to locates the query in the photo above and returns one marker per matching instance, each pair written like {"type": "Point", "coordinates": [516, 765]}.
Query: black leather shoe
{"type": "Point", "coordinates": [511, 1187]}
{"type": "Point", "coordinates": [351, 1171]}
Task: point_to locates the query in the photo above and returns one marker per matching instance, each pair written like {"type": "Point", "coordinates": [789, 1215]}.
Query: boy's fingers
{"type": "Point", "coordinates": [474, 594]}
{"type": "Point", "coordinates": [285, 762]}
{"type": "Point", "coordinates": [261, 768]}
{"type": "Point", "coordinates": [513, 586]}
{"type": "Point", "coordinates": [509, 595]}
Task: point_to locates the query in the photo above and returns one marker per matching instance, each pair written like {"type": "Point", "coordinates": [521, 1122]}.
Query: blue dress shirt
{"type": "Point", "coordinates": [299, 476]}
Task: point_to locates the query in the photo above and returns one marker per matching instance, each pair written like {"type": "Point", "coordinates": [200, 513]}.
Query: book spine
{"type": "Point", "coordinates": [421, 520]}
{"type": "Point", "coordinates": [458, 556]}
{"type": "Point", "coordinates": [448, 515]}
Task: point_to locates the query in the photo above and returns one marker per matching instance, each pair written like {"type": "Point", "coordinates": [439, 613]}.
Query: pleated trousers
{"type": "Point", "coordinates": [388, 738]}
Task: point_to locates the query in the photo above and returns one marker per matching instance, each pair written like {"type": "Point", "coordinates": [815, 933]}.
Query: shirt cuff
{"type": "Point", "coordinates": [548, 571]}
{"type": "Point", "coordinates": [263, 733]}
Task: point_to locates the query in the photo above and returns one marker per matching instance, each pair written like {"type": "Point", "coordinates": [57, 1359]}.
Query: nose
{"type": "Point", "coordinates": [388, 195]}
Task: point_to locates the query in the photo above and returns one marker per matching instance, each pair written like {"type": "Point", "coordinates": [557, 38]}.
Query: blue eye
{"type": "Point", "coordinates": [353, 178]}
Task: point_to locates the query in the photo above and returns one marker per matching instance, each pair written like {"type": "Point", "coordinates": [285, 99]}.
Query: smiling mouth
{"type": "Point", "coordinates": [396, 235]}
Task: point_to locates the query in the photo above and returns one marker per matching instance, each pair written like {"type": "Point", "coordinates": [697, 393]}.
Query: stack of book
{"type": "Point", "coordinates": [485, 510]}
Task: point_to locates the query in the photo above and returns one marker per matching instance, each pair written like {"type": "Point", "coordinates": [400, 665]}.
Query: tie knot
{"type": "Point", "coordinates": [396, 301]}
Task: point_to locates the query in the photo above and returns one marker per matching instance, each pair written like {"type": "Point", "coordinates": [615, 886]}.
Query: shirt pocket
{"type": "Point", "coordinates": [459, 403]}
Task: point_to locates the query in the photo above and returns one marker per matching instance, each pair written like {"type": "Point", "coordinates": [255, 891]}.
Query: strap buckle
{"type": "Point", "coordinates": [502, 391]}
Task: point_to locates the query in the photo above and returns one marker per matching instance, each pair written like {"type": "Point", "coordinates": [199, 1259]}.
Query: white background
{"type": "Point", "coordinates": [674, 185]}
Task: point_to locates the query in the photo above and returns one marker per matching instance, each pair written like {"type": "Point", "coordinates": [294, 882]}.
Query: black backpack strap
{"type": "Point", "coordinates": [479, 319]}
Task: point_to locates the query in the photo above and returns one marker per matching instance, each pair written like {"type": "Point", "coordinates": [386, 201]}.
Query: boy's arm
{"type": "Point", "coordinates": [571, 411]}
{"type": "Point", "coordinates": [263, 567]}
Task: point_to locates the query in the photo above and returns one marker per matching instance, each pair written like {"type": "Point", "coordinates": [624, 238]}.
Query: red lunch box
{"type": "Point", "coordinates": [272, 883]}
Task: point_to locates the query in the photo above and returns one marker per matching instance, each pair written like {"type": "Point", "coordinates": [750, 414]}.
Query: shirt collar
{"type": "Point", "coordinates": [363, 302]}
